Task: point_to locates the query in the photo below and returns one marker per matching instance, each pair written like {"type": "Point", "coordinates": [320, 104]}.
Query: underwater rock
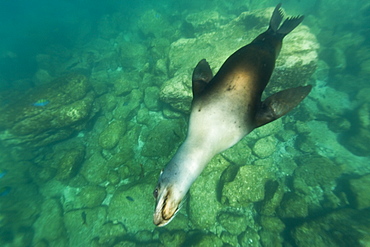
{"type": "Point", "coordinates": [204, 21]}
{"type": "Point", "coordinates": [345, 227]}
{"type": "Point", "coordinates": [89, 197]}
{"type": "Point", "coordinates": [203, 212]}
{"type": "Point", "coordinates": [232, 222]}
{"type": "Point", "coordinates": [264, 147]}
{"type": "Point", "coordinates": [229, 239]}
{"type": "Point", "coordinates": [151, 23]}
{"type": "Point", "coordinates": [108, 101]}
{"type": "Point", "coordinates": [110, 232]}
{"type": "Point", "coordinates": [296, 63]}
{"type": "Point", "coordinates": [70, 164]}
{"type": "Point", "coordinates": [132, 208]}
{"type": "Point", "coordinates": [240, 154]}
{"type": "Point", "coordinates": [312, 185]}
{"type": "Point", "coordinates": [203, 239]}
{"type": "Point", "coordinates": [339, 125]}
{"type": "Point", "coordinates": [128, 105]}
{"type": "Point", "coordinates": [49, 225]}
{"type": "Point", "coordinates": [250, 237]}
{"type": "Point", "coordinates": [84, 225]}
{"type": "Point", "coordinates": [317, 170]}
{"type": "Point", "coordinates": [95, 169]}
{"type": "Point", "coordinates": [142, 116]}
{"type": "Point", "coordinates": [271, 231]}
{"type": "Point", "coordinates": [41, 175]}
{"type": "Point", "coordinates": [172, 238]}
{"type": "Point", "coordinates": [113, 177]}
{"type": "Point", "coordinates": [86, 197]}
{"type": "Point", "coordinates": [274, 193]}
{"type": "Point", "coordinates": [49, 113]}
{"type": "Point", "coordinates": [293, 206]}
{"type": "Point", "coordinates": [162, 139]}
{"type": "Point", "coordinates": [360, 190]}
{"type": "Point", "coordinates": [126, 243]}
{"type": "Point", "coordinates": [241, 191]}
{"type": "Point", "coordinates": [151, 98]}
{"type": "Point", "coordinates": [357, 140]}
{"type": "Point", "coordinates": [111, 135]}
{"type": "Point", "coordinates": [177, 92]}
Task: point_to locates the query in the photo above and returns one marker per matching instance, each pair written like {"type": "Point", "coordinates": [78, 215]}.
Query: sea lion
{"type": "Point", "coordinates": [225, 108]}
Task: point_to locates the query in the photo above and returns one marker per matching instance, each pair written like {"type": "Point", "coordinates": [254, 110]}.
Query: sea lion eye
{"type": "Point", "coordinates": [155, 193]}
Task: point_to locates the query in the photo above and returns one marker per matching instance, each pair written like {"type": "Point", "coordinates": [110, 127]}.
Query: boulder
{"type": "Point", "coordinates": [357, 138]}
{"type": "Point", "coordinates": [345, 227]}
{"type": "Point", "coordinates": [111, 135]}
{"type": "Point", "coordinates": [247, 187]}
{"type": "Point", "coordinates": [48, 113]}
{"type": "Point", "coordinates": [132, 208]}
{"type": "Point", "coordinates": [360, 191]}
{"type": "Point", "coordinates": [70, 164]}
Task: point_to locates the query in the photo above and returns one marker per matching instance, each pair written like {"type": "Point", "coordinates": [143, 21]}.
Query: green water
{"type": "Point", "coordinates": [95, 99]}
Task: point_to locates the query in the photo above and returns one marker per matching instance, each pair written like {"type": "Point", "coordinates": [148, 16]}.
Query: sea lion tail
{"type": "Point", "coordinates": [288, 25]}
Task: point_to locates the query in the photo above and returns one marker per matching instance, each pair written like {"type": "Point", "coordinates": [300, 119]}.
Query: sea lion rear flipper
{"type": "Point", "coordinates": [280, 103]}
{"type": "Point", "coordinates": [202, 74]}
{"type": "Point", "coordinates": [288, 25]}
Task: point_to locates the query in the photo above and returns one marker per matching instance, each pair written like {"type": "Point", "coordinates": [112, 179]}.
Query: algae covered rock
{"type": "Point", "coordinates": [346, 227]}
{"type": "Point", "coordinates": [203, 196]}
{"type": "Point", "coordinates": [95, 169]}
{"type": "Point", "coordinates": [48, 113]}
{"type": "Point", "coordinates": [86, 197]}
{"type": "Point", "coordinates": [296, 63]}
{"type": "Point", "coordinates": [132, 208]}
{"type": "Point", "coordinates": [85, 225]}
{"type": "Point", "coordinates": [49, 225]}
{"type": "Point", "coordinates": [358, 138]}
{"type": "Point", "coordinates": [317, 170]}
{"type": "Point", "coordinates": [151, 23]}
{"type": "Point", "coordinates": [160, 140]}
{"type": "Point", "coordinates": [173, 238]}
{"type": "Point", "coordinates": [202, 239]}
{"type": "Point", "coordinates": [233, 223]}
{"type": "Point", "coordinates": [111, 135]}
{"type": "Point", "coordinates": [110, 232]}
{"type": "Point", "coordinates": [151, 98]}
{"type": "Point", "coordinates": [360, 189]}
{"type": "Point", "coordinates": [70, 164]}
{"type": "Point", "coordinates": [293, 206]}
{"type": "Point", "coordinates": [265, 147]}
{"type": "Point", "coordinates": [203, 21]}
{"type": "Point", "coordinates": [247, 187]}
{"type": "Point", "coordinates": [129, 105]}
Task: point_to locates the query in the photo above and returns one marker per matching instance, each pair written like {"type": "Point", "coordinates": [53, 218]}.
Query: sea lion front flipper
{"type": "Point", "coordinates": [202, 74]}
{"type": "Point", "coordinates": [280, 103]}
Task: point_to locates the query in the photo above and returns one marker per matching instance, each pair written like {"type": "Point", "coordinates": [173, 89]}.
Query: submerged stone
{"type": "Point", "coordinates": [247, 187]}
{"type": "Point", "coordinates": [360, 190]}
{"type": "Point", "coordinates": [136, 214]}
{"type": "Point", "coordinates": [204, 205]}
{"type": "Point", "coordinates": [50, 225]}
{"type": "Point", "coordinates": [111, 135]}
{"type": "Point", "coordinates": [48, 113]}
{"type": "Point", "coordinates": [70, 164]}
{"type": "Point", "coordinates": [163, 138]}
{"type": "Point", "coordinates": [233, 223]}
{"type": "Point", "coordinates": [346, 227]}
{"type": "Point", "coordinates": [264, 147]}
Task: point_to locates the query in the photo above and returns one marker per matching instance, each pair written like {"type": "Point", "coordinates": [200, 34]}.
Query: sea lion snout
{"type": "Point", "coordinates": [167, 206]}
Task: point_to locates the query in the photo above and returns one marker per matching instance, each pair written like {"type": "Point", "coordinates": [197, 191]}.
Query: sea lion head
{"type": "Point", "coordinates": [168, 202]}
